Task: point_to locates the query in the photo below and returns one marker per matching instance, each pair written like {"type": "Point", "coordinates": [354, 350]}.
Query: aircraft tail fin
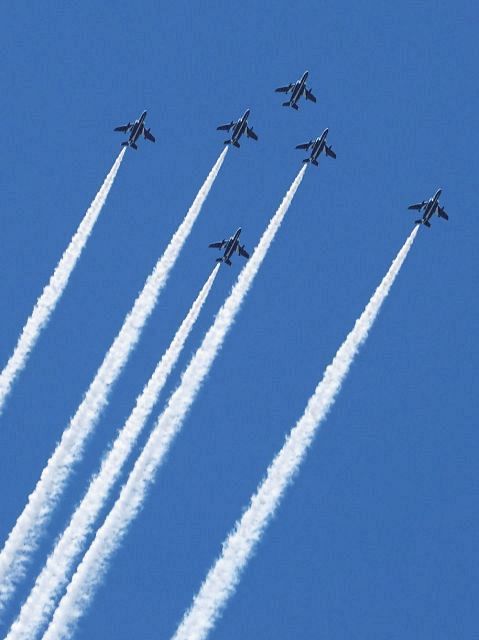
{"type": "Point", "coordinates": [219, 259]}
{"type": "Point", "coordinates": [287, 104]}
{"type": "Point", "coordinates": [125, 144]}
{"type": "Point", "coordinates": [227, 142]}
{"type": "Point", "coordinates": [307, 160]}
{"type": "Point", "coordinates": [418, 221]}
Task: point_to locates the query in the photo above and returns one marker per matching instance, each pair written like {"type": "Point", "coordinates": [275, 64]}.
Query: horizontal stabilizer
{"type": "Point", "coordinates": [307, 160]}
{"type": "Point", "coordinates": [227, 142]}
{"type": "Point", "coordinates": [219, 259]}
{"type": "Point", "coordinates": [427, 223]}
{"type": "Point", "coordinates": [315, 162]}
{"type": "Point", "coordinates": [125, 144]}
{"type": "Point", "coordinates": [228, 262]}
{"type": "Point", "coordinates": [295, 106]}
{"type": "Point", "coordinates": [286, 104]}
{"type": "Point", "coordinates": [418, 221]}
{"type": "Point", "coordinates": [236, 144]}
{"type": "Point", "coordinates": [133, 145]}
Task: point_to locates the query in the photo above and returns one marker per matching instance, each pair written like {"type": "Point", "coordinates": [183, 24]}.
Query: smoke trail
{"type": "Point", "coordinates": [55, 575]}
{"type": "Point", "coordinates": [225, 574]}
{"type": "Point", "coordinates": [91, 570]}
{"type": "Point", "coordinates": [52, 293]}
{"type": "Point", "coordinates": [23, 538]}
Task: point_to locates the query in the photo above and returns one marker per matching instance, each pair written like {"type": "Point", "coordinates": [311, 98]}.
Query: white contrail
{"type": "Point", "coordinates": [90, 572]}
{"type": "Point", "coordinates": [225, 574]}
{"type": "Point", "coordinates": [55, 575]}
{"type": "Point", "coordinates": [23, 538]}
{"type": "Point", "coordinates": [52, 293]}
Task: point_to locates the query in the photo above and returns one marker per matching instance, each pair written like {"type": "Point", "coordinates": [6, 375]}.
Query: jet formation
{"type": "Point", "coordinates": [136, 129]}
{"type": "Point", "coordinates": [430, 207]}
{"type": "Point", "coordinates": [230, 246]}
{"type": "Point", "coordinates": [239, 128]}
{"type": "Point", "coordinates": [317, 146]}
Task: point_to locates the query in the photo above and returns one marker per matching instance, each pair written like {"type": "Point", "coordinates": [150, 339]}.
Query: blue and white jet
{"type": "Point", "coordinates": [317, 146]}
{"type": "Point", "coordinates": [239, 127]}
{"type": "Point", "coordinates": [136, 129]}
{"type": "Point", "coordinates": [430, 207]}
{"type": "Point", "coordinates": [297, 89]}
{"type": "Point", "coordinates": [230, 246]}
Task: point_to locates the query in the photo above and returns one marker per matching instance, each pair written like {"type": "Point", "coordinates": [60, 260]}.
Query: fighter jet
{"type": "Point", "coordinates": [430, 207]}
{"type": "Point", "coordinates": [317, 146]}
{"type": "Point", "coordinates": [297, 89]}
{"type": "Point", "coordinates": [230, 246]}
{"type": "Point", "coordinates": [239, 127]}
{"type": "Point", "coordinates": [136, 129]}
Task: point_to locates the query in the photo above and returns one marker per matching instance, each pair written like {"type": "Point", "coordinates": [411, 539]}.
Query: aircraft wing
{"type": "Point", "coordinates": [306, 145]}
{"type": "Point", "coordinates": [284, 89]}
{"type": "Point", "coordinates": [329, 151]}
{"type": "Point", "coordinates": [225, 127]}
{"type": "Point", "coordinates": [251, 134]}
{"type": "Point", "coordinates": [242, 251]}
{"type": "Point", "coordinates": [418, 206]}
{"type": "Point", "coordinates": [217, 245]}
{"type": "Point", "coordinates": [309, 95]}
{"type": "Point", "coordinates": [124, 128]}
{"type": "Point", "coordinates": [442, 214]}
{"type": "Point", "coordinates": [148, 135]}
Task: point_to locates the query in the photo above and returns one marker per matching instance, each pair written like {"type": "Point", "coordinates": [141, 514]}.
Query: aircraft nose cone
{"type": "Point", "coordinates": [247, 112]}
{"type": "Point", "coordinates": [306, 74]}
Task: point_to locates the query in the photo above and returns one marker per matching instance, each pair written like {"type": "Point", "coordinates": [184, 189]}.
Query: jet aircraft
{"type": "Point", "coordinates": [230, 246]}
{"type": "Point", "coordinates": [136, 130]}
{"type": "Point", "coordinates": [430, 207]}
{"type": "Point", "coordinates": [317, 146]}
{"type": "Point", "coordinates": [239, 127]}
{"type": "Point", "coordinates": [297, 89]}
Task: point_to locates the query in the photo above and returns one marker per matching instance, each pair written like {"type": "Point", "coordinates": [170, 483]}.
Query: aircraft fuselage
{"type": "Point", "coordinates": [431, 206]}
{"type": "Point", "coordinates": [240, 127]}
{"type": "Point", "coordinates": [137, 129]}
{"type": "Point", "coordinates": [231, 246]}
{"type": "Point", "coordinates": [318, 145]}
{"type": "Point", "coordinates": [299, 88]}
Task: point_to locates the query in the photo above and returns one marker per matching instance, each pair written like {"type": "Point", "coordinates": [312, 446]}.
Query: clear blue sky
{"type": "Point", "coordinates": [378, 536]}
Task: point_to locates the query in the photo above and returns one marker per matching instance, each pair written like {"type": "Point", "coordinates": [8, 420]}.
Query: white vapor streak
{"type": "Point", "coordinates": [52, 293]}
{"type": "Point", "coordinates": [23, 538]}
{"type": "Point", "coordinates": [55, 575]}
{"type": "Point", "coordinates": [225, 574]}
{"type": "Point", "coordinates": [92, 568]}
